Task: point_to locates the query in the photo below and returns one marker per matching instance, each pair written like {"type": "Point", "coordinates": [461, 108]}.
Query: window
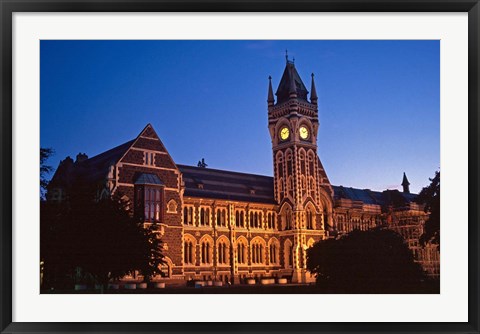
{"type": "Point", "coordinates": [223, 252]}
{"type": "Point", "coordinates": [255, 219]}
{"type": "Point", "coordinates": [239, 219]}
{"type": "Point", "coordinates": [204, 216]}
{"type": "Point", "coordinates": [149, 158]}
{"type": "Point", "coordinates": [288, 253]}
{"type": "Point", "coordinates": [189, 252]}
{"type": "Point", "coordinates": [152, 203]}
{"type": "Point", "coordinates": [258, 252]}
{"type": "Point", "coordinates": [288, 219]}
{"type": "Point", "coordinates": [271, 220]}
{"type": "Point", "coordinates": [273, 253]}
{"type": "Point", "coordinates": [188, 215]}
{"type": "Point", "coordinates": [221, 217]}
{"type": "Point", "coordinates": [241, 252]}
{"type": "Point", "coordinates": [206, 252]}
{"type": "Point", "coordinates": [309, 220]}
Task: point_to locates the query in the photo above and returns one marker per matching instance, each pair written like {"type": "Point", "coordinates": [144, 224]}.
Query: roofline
{"type": "Point", "coordinates": [224, 171]}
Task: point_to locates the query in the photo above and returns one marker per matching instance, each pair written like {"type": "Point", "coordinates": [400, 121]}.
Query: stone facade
{"type": "Point", "coordinates": [221, 225]}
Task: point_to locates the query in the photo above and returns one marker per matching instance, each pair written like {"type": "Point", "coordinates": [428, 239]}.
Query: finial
{"type": "Point", "coordinates": [313, 75]}
{"type": "Point", "coordinates": [405, 184]}
{"type": "Point", "coordinates": [286, 55]}
{"type": "Point", "coordinates": [271, 99]}
{"type": "Point", "coordinates": [313, 92]}
{"type": "Point", "coordinates": [293, 60]}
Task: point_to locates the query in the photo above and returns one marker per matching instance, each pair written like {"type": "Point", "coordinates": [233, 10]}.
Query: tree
{"type": "Point", "coordinates": [45, 169]}
{"type": "Point", "coordinates": [430, 196]}
{"type": "Point", "coordinates": [373, 261]}
{"type": "Point", "coordinates": [98, 239]}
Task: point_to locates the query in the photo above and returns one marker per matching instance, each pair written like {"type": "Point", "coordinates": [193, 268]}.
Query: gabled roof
{"type": "Point", "coordinates": [96, 168]}
{"type": "Point", "coordinates": [221, 184]}
{"type": "Point", "coordinates": [291, 83]}
{"type": "Point", "coordinates": [92, 170]}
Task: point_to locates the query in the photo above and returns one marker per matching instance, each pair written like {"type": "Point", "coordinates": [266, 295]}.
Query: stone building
{"type": "Point", "coordinates": [219, 225]}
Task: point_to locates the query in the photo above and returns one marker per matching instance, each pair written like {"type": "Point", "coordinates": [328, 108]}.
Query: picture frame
{"type": "Point", "coordinates": [6, 154]}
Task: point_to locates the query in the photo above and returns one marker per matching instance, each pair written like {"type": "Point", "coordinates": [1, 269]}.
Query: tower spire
{"type": "Point", "coordinates": [313, 94]}
{"type": "Point", "coordinates": [405, 184]}
{"type": "Point", "coordinates": [291, 85]}
{"type": "Point", "coordinates": [293, 88]}
{"type": "Point", "coordinates": [271, 99]}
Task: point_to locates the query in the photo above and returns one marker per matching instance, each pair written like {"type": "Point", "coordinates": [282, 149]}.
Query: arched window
{"type": "Point", "coordinates": [288, 219]}
{"type": "Point", "coordinates": [189, 251]}
{"type": "Point", "coordinates": [206, 252]}
{"type": "Point", "coordinates": [221, 217]}
{"type": "Point", "coordinates": [204, 216]}
{"type": "Point", "coordinates": [241, 252]}
{"type": "Point", "coordinates": [288, 254]}
{"type": "Point", "coordinates": [251, 219]}
{"type": "Point", "coordinates": [237, 219]}
{"type": "Point", "coordinates": [223, 252]}
{"type": "Point", "coordinates": [258, 252]}
{"type": "Point", "coordinates": [273, 250]}
{"type": "Point", "coordinates": [310, 219]}
{"type": "Point", "coordinates": [188, 215]}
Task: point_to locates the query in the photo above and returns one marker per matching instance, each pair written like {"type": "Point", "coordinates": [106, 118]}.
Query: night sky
{"type": "Point", "coordinates": [379, 103]}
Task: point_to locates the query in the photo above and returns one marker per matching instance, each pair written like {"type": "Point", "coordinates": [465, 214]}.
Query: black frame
{"type": "Point", "coordinates": [8, 7]}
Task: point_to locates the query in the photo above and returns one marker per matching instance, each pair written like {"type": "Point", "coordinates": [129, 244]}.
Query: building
{"type": "Point", "coordinates": [223, 225]}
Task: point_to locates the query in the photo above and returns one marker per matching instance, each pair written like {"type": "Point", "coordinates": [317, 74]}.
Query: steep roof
{"type": "Point", "coordinates": [291, 83]}
{"type": "Point", "coordinates": [221, 184]}
{"type": "Point", "coordinates": [92, 170]}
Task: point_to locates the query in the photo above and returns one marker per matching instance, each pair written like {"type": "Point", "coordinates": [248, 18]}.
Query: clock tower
{"type": "Point", "coordinates": [301, 186]}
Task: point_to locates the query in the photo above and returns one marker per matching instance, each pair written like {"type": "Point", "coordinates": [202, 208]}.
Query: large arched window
{"type": "Point", "coordinates": [258, 251]}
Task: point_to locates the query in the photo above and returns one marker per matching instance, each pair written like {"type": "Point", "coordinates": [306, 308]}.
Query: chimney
{"type": "Point", "coordinates": [81, 157]}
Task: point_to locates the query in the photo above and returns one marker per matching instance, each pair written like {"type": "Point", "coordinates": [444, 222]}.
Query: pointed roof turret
{"type": "Point", "coordinates": [291, 85]}
{"type": "Point", "coordinates": [405, 184]}
{"type": "Point", "coordinates": [313, 94]}
{"type": "Point", "coordinates": [271, 99]}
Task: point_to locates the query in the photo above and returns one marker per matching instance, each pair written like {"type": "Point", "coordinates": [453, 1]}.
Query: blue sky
{"type": "Point", "coordinates": [379, 102]}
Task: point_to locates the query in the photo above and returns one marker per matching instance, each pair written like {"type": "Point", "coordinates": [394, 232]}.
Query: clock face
{"type": "Point", "coordinates": [284, 133]}
{"type": "Point", "coordinates": [303, 132]}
